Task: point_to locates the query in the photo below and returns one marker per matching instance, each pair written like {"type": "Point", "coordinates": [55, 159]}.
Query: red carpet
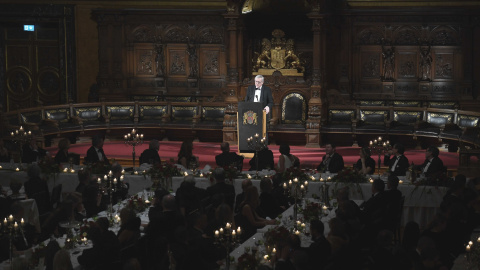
{"type": "Point", "coordinates": [309, 157]}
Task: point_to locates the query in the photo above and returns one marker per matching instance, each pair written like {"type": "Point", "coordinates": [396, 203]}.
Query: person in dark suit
{"type": "Point", "coordinates": [227, 158]}
{"type": "Point", "coordinates": [265, 160]}
{"type": "Point", "coordinates": [374, 211]}
{"type": "Point", "coordinates": [62, 154]}
{"type": "Point", "coordinates": [394, 197]}
{"type": "Point", "coordinates": [105, 250]}
{"type": "Point", "coordinates": [95, 152]}
{"type": "Point", "coordinates": [36, 188]}
{"type": "Point", "coordinates": [260, 93]}
{"type": "Point", "coordinates": [269, 205]}
{"type": "Point", "coordinates": [31, 152]}
{"type": "Point", "coordinates": [320, 250]}
{"type": "Point", "coordinates": [433, 164]}
{"type": "Point", "coordinates": [332, 161]}
{"type": "Point", "coordinates": [227, 190]}
{"type": "Point", "coordinates": [150, 155]}
{"type": "Point", "coordinates": [396, 161]}
{"type": "Point", "coordinates": [239, 198]}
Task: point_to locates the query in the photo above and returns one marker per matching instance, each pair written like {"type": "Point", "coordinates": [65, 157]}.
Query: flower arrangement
{"type": "Point", "coordinates": [294, 172]}
{"type": "Point", "coordinates": [49, 167]}
{"type": "Point", "coordinates": [163, 170]}
{"type": "Point", "coordinates": [83, 232]}
{"type": "Point", "coordinates": [247, 261]}
{"type": "Point", "coordinates": [311, 211]}
{"type": "Point", "coordinates": [273, 235]}
{"type": "Point", "coordinates": [100, 168]}
{"type": "Point", "coordinates": [137, 203]}
{"type": "Point", "coordinates": [349, 175]}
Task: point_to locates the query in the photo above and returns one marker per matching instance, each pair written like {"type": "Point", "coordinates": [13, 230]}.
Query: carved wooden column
{"type": "Point", "coordinates": [230, 118]}
{"type": "Point", "coordinates": [313, 135]}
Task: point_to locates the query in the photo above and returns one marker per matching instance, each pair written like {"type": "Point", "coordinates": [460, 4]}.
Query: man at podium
{"type": "Point", "coordinates": [260, 93]}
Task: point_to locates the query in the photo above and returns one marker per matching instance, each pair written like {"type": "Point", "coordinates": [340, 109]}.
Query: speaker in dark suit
{"type": "Point", "coordinates": [260, 93]}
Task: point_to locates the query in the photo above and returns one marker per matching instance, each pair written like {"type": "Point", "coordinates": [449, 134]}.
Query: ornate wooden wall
{"type": "Point", "coordinates": [152, 53]}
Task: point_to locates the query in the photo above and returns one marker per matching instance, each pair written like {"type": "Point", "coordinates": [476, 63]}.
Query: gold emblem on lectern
{"type": "Point", "coordinates": [250, 118]}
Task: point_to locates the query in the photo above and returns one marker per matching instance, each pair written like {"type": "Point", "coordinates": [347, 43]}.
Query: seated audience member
{"type": "Point", "coordinates": [62, 260]}
{"type": "Point", "coordinates": [190, 197]}
{"type": "Point", "coordinates": [95, 153]}
{"type": "Point", "coordinates": [285, 252]}
{"type": "Point", "coordinates": [164, 224]}
{"type": "Point", "coordinates": [265, 160]}
{"type": "Point", "coordinates": [436, 231]}
{"type": "Point", "coordinates": [36, 188]}
{"type": "Point", "coordinates": [286, 160]}
{"type": "Point", "coordinates": [332, 161]}
{"type": "Point", "coordinates": [223, 215]}
{"type": "Point", "coordinates": [269, 206]}
{"type": "Point", "coordinates": [337, 237]}
{"type": "Point", "coordinates": [220, 186]}
{"type": "Point", "coordinates": [349, 212]}
{"type": "Point", "coordinates": [4, 154]}
{"type": "Point", "coordinates": [394, 197]}
{"type": "Point", "coordinates": [395, 160]}
{"type": "Point", "coordinates": [433, 165]}
{"type": "Point", "coordinates": [105, 251]}
{"type": "Point", "coordinates": [84, 178]}
{"type": "Point", "coordinates": [31, 152]}
{"type": "Point", "coordinates": [374, 210]}
{"type": "Point", "coordinates": [319, 251]}
{"type": "Point", "coordinates": [91, 196]}
{"type": "Point", "coordinates": [239, 198]}
{"type": "Point", "coordinates": [51, 249]}
{"type": "Point", "coordinates": [129, 231]}
{"type": "Point", "coordinates": [411, 234]}
{"type": "Point", "coordinates": [365, 164]}
{"type": "Point", "coordinates": [382, 255]}
{"type": "Point", "coordinates": [150, 155]}
{"type": "Point", "coordinates": [203, 254]}
{"type": "Point", "coordinates": [15, 187]}
{"type": "Point", "coordinates": [156, 210]}
{"type": "Point", "coordinates": [455, 193]}
{"type": "Point", "coordinates": [62, 154]}
{"type": "Point", "coordinates": [186, 157]}
{"type": "Point", "coordinates": [248, 218]}
{"type": "Point", "coordinates": [227, 158]}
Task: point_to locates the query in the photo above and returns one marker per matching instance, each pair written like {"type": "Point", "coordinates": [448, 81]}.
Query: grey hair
{"type": "Point", "coordinates": [260, 77]}
{"type": "Point", "coordinates": [189, 179]}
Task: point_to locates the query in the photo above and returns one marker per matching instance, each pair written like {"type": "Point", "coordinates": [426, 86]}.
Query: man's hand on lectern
{"type": "Point", "coordinates": [266, 109]}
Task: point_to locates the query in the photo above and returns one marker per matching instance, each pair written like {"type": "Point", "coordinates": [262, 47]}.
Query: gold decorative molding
{"type": "Point", "coordinates": [402, 3]}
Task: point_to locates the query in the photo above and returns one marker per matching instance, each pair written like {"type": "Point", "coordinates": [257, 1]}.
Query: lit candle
{"type": "Point", "coordinates": [313, 178]}
{"type": "Point", "coordinates": [105, 177]}
{"type": "Point", "coordinates": [122, 177]}
{"type": "Point", "coordinates": [135, 172]}
{"type": "Point", "coordinates": [478, 240]}
{"type": "Point", "coordinates": [12, 134]}
{"type": "Point", "coordinates": [144, 171]}
{"type": "Point", "coordinates": [295, 180]}
{"type": "Point", "coordinates": [321, 179]}
{"type": "Point", "coordinates": [133, 131]}
{"type": "Point", "coordinates": [126, 137]}
{"type": "Point", "coordinates": [216, 233]}
{"type": "Point", "coordinates": [147, 201]}
{"type": "Point", "coordinates": [29, 132]}
{"type": "Point", "coordinates": [239, 231]}
{"type": "Point", "coordinates": [467, 248]}
{"type": "Point", "coordinates": [5, 222]}
{"type": "Point", "coordinates": [1, 167]}
{"type": "Point", "coordinates": [141, 136]}
{"type": "Point", "coordinates": [375, 141]}
{"type": "Point", "coordinates": [298, 222]}
{"type": "Point", "coordinates": [99, 180]}
{"type": "Point", "coordinates": [115, 180]}
{"type": "Point", "coordinates": [324, 208]}
{"type": "Point", "coordinates": [249, 176]}
{"type": "Point", "coordinates": [22, 222]}
{"type": "Point", "coordinates": [303, 225]}
{"type": "Point", "coordinates": [123, 171]}
{"type": "Point", "coordinates": [221, 230]}
{"type": "Point", "coordinates": [470, 243]}
{"type": "Point", "coordinates": [65, 170]}
{"type": "Point", "coordinates": [265, 257]}
{"type": "Point", "coordinates": [274, 250]}
{"type": "Point", "coordinates": [185, 173]}
{"type": "Point", "coordinates": [285, 185]}
{"type": "Point", "coordinates": [379, 139]}
{"type": "Point", "coordinates": [302, 187]}
{"type": "Point", "coordinates": [10, 218]}
{"type": "Point", "coordinates": [17, 169]}
{"type": "Point", "coordinates": [201, 174]}
{"type": "Point", "coordinates": [256, 135]}
{"type": "Point", "coordinates": [329, 178]}
{"type": "Point", "coordinates": [400, 181]}
{"type": "Point", "coordinates": [290, 182]}
{"type": "Point", "coordinates": [21, 128]}
{"type": "Point", "coordinates": [388, 142]}
{"type": "Point", "coordinates": [371, 180]}
{"type": "Point", "coordinates": [297, 232]}
{"type": "Point", "coordinates": [234, 233]}
{"type": "Point", "coordinates": [228, 226]}
{"type": "Point", "coordinates": [306, 183]}
{"type": "Point", "coordinates": [371, 142]}
{"type": "Point", "coordinates": [15, 226]}
{"type": "Point", "coordinates": [72, 171]}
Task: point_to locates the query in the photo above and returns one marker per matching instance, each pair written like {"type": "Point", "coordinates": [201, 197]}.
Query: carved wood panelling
{"type": "Point", "coordinates": [370, 65]}
{"type": "Point", "coordinates": [407, 65]}
{"type": "Point", "coordinates": [443, 67]}
{"type": "Point", "coordinates": [177, 61]}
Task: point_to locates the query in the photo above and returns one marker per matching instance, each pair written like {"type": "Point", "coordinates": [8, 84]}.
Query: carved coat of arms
{"type": "Point", "coordinates": [278, 54]}
{"type": "Point", "coordinates": [250, 118]}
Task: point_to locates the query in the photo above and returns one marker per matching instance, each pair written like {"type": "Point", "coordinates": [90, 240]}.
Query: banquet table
{"type": "Point", "coordinates": [421, 202]}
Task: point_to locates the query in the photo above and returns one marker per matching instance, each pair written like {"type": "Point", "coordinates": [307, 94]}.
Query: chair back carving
{"type": "Point", "coordinates": [439, 119]}
{"type": "Point", "coordinates": [294, 109]}
{"type": "Point", "coordinates": [465, 121]}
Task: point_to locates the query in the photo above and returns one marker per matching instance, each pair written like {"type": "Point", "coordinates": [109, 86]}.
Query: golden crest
{"type": "Point", "coordinates": [278, 58]}
{"type": "Point", "coordinates": [250, 118]}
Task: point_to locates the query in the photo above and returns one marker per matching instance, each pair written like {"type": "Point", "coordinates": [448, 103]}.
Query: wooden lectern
{"type": "Point", "coordinates": [251, 120]}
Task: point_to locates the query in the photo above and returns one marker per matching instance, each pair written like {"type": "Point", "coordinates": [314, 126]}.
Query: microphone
{"type": "Point", "coordinates": [256, 96]}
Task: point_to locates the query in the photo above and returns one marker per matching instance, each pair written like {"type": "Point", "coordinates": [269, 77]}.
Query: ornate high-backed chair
{"type": "Point", "coordinates": [293, 114]}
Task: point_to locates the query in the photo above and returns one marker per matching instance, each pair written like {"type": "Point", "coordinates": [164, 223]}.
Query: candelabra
{"type": "Point", "coordinates": [133, 139]}
{"type": "Point", "coordinates": [256, 144]}
{"type": "Point", "coordinates": [109, 185]}
{"type": "Point", "coordinates": [380, 147]}
{"type": "Point", "coordinates": [296, 190]}
{"type": "Point", "coordinates": [229, 238]}
{"type": "Point", "coordinates": [20, 137]}
{"type": "Point", "coordinates": [12, 230]}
